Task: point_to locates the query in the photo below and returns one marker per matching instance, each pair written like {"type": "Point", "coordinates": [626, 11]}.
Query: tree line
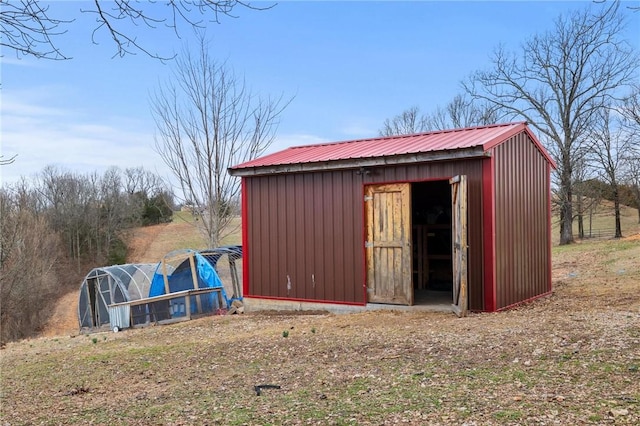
{"type": "Point", "coordinates": [578, 86]}
{"type": "Point", "coordinates": [60, 225]}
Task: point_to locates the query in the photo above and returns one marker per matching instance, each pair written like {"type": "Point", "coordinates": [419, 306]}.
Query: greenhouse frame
{"type": "Point", "coordinates": [184, 284]}
{"type": "Point", "coordinates": [108, 285]}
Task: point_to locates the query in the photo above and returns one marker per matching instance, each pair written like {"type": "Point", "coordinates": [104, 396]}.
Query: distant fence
{"type": "Point", "coordinates": [600, 233]}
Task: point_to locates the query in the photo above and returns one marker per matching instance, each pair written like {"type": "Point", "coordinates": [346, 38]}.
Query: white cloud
{"type": "Point", "coordinates": [25, 61]}
{"type": "Point", "coordinates": [42, 135]}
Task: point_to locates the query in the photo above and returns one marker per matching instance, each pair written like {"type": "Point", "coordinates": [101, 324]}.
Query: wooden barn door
{"type": "Point", "coordinates": [388, 243]}
{"type": "Point", "coordinates": [459, 246]}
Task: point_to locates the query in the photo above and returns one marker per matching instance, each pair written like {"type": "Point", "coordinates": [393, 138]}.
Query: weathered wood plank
{"type": "Point", "coordinates": [459, 244]}
{"type": "Point", "coordinates": [177, 294]}
{"type": "Point", "coordinates": [388, 250]}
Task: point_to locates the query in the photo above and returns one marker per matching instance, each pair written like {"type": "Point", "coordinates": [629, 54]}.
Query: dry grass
{"type": "Point", "coordinates": [151, 243]}
{"type": "Point", "coordinates": [602, 219]}
{"type": "Point", "coordinates": [571, 358]}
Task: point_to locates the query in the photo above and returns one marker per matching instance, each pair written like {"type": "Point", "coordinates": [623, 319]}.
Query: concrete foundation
{"type": "Point", "coordinates": [431, 302]}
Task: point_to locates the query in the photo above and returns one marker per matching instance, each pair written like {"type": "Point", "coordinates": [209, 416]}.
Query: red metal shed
{"type": "Point", "coordinates": [462, 214]}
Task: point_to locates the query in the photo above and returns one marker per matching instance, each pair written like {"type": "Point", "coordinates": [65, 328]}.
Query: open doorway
{"type": "Point", "coordinates": [410, 254]}
{"type": "Point", "coordinates": [431, 219]}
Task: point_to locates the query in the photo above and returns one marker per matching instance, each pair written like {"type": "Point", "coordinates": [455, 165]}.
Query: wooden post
{"type": "Point", "coordinates": [187, 300]}
{"type": "Point", "coordinates": [194, 277]}
{"type": "Point", "coordinates": [165, 277]}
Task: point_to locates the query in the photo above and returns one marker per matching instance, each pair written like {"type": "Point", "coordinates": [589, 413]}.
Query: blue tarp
{"type": "Point", "coordinates": [180, 278]}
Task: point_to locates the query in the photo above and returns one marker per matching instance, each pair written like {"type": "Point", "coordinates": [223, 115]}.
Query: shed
{"type": "Point", "coordinates": [463, 214]}
{"type": "Point", "coordinates": [107, 285]}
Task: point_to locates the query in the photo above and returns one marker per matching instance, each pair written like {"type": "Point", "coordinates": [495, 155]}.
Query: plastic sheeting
{"type": "Point", "coordinates": [181, 276]}
{"type": "Point", "coordinates": [112, 284]}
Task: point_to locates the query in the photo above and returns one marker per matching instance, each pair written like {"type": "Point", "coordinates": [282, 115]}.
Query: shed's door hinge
{"type": "Point", "coordinates": [368, 198]}
{"type": "Point", "coordinates": [368, 244]}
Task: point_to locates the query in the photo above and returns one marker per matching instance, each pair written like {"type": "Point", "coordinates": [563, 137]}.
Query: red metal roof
{"type": "Point", "coordinates": [444, 140]}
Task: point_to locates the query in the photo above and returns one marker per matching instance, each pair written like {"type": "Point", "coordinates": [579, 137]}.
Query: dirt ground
{"type": "Point", "coordinates": [572, 358]}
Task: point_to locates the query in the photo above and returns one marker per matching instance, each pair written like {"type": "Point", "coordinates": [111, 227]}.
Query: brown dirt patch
{"type": "Point", "coordinates": [634, 237]}
{"type": "Point", "coordinates": [142, 243]}
{"type": "Point", "coordinates": [64, 320]}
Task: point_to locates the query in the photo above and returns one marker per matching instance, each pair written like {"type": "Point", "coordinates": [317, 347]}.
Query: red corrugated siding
{"type": "Point", "coordinates": [307, 229]}
{"type": "Point", "coordinates": [488, 233]}
{"type": "Point", "coordinates": [522, 241]}
{"type": "Point", "coordinates": [304, 231]}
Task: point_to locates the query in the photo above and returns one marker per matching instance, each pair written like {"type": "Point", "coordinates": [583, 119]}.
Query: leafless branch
{"type": "Point", "coordinates": [559, 82]}
{"type": "Point", "coordinates": [28, 29]}
{"type": "Point", "coordinates": [207, 121]}
{"type": "Point", "coordinates": [194, 13]}
{"type": "Point", "coordinates": [460, 112]}
{"type": "Point", "coordinates": [407, 122]}
{"type": "Point", "coordinates": [10, 160]}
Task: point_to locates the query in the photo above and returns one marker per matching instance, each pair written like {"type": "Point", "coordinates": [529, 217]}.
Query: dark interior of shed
{"type": "Point", "coordinates": [431, 229]}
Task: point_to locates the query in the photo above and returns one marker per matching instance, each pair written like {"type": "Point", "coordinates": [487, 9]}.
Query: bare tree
{"type": "Point", "coordinates": [581, 189]}
{"type": "Point", "coordinates": [208, 120]}
{"type": "Point", "coordinates": [67, 197]}
{"type": "Point", "coordinates": [608, 144]}
{"type": "Point", "coordinates": [460, 112]}
{"type": "Point", "coordinates": [558, 83]}
{"type": "Point", "coordinates": [407, 122]}
{"type": "Point", "coordinates": [87, 211]}
{"type": "Point", "coordinates": [112, 211]}
{"type": "Point", "coordinates": [139, 180]}
{"type": "Point", "coordinates": [630, 109]}
{"type": "Point", "coordinates": [28, 259]}
{"type": "Point", "coordinates": [143, 187]}
{"type": "Point", "coordinates": [438, 119]}
{"type": "Point", "coordinates": [29, 28]}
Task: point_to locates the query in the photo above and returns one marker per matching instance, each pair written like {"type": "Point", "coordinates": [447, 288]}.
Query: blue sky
{"type": "Point", "coordinates": [348, 65]}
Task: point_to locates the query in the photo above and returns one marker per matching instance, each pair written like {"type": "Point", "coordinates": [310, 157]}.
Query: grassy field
{"type": "Point", "coordinates": [571, 358]}
{"type": "Point", "coordinates": [150, 244]}
{"type": "Point", "coordinates": [194, 238]}
{"type": "Point", "coordinates": [602, 220]}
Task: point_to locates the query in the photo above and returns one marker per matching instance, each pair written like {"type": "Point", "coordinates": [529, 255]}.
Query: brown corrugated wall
{"type": "Point", "coordinates": [522, 239]}
{"type": "Point", "coordinates": [305, 230]}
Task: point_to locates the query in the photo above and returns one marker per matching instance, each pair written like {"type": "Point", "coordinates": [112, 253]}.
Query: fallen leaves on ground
{"type": "Point", "coordinates": [570, 358]}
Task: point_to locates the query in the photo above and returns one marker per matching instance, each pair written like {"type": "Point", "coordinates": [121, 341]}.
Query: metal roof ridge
{"type": "Point", "coordinates": [397, 137]}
